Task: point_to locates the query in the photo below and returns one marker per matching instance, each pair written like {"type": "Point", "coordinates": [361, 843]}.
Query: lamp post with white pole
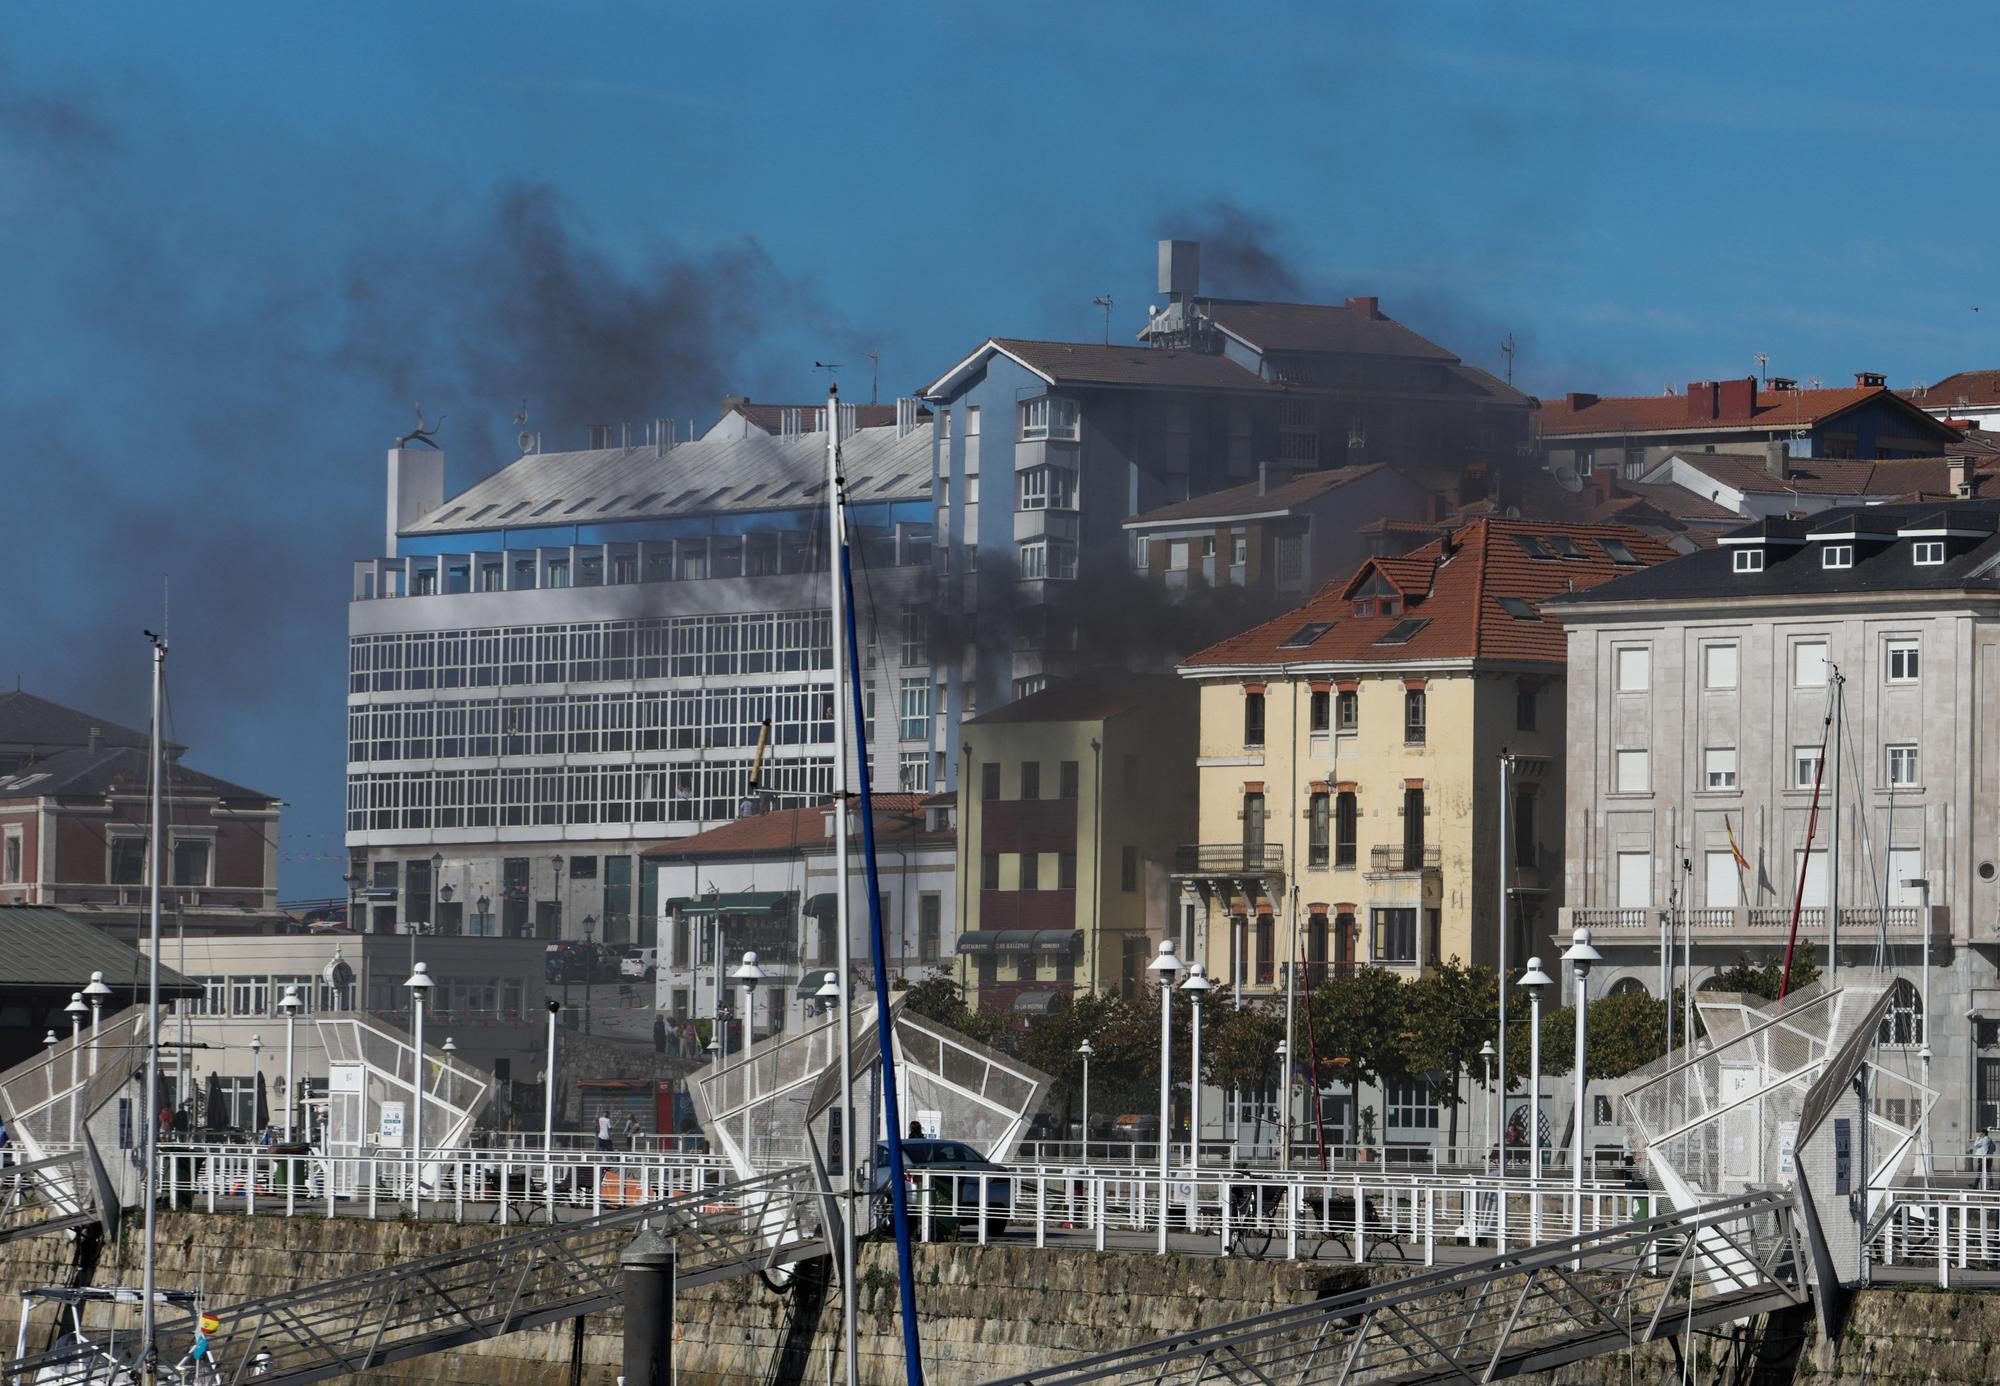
{"type": "Point", "coordinates": [748, 974]}
{"type": "Point", "coordinates": [1580, 955]}
{"type": "Point", "coordinates": [1284, 1053]}
{"type": "Point", "coordinates": [1534, 981]}
{"type": "Point", "coordinates": [444, 1072]}
{"type": "Point", "coordinates": [95, 994]}
{"type": "Point", "coordinates": [1086, 1049]}
{"type": "Point", "coordinates": [256, 1082]}
{"type": "Point", "coordinates": [76, 1011]}
{"type": "Point", "coordinates": [1196, 986]}
{"type": "Point", "coordinates": [1486, 1052]}
{"type": "Point", "coordinates": [549, 1109]}
{"type": "Point", "coordinates": [288, 1005]}
{"type": "Point", "coordinates": [1922, 885]}
{"type": "Point", "coordinates": [420, 985]}
{"type": "Point", "coordinates": [1165, 966]}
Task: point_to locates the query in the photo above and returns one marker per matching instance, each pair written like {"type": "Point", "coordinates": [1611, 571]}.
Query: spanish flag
{"type": "Point", "coordinates": [1742, 862]}
{"type": "Point", "coordinates": [210, 1324]}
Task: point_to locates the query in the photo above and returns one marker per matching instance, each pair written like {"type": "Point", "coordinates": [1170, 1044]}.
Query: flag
{"type": "Point", "coordinates": [1742, 862]}
{"type": "Point", "coordinates": [210, 1324]}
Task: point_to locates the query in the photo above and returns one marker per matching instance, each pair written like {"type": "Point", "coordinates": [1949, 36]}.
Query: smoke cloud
{"type": "Point", "coordinates": [1243, 254]}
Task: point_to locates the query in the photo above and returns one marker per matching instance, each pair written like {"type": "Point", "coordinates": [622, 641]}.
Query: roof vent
{"type": "Point", "coordinates": [597, 437]}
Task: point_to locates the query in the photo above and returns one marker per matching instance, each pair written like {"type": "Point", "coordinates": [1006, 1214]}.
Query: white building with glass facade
{"type": "Point", "coordinates": [577, 656]}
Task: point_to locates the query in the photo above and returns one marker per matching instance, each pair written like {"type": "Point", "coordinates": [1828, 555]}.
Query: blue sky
{"type": "Point", "coordinates": [237, 241]}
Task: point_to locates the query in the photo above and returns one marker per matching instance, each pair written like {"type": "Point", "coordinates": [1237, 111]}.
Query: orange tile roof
{"type": "Point", "coordinates": [1584, 414]}
{"type": "Point", "coordinates": [898, 817]}
{"type": "Point", "coordinates": [1960, 388]}
{"type": "Point", "coordinates": [1456, 590]}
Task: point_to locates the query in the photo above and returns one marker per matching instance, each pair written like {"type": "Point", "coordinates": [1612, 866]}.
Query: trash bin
{"type": "Point", "coordinates": [291, 1173]}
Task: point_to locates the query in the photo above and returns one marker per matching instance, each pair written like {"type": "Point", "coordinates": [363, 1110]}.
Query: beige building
{"type": "Point", "coordinates": [1072, 802]}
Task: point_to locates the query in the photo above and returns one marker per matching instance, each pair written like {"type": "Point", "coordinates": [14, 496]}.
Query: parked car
{"type": "Point", "coordinates": [639, 962]}
{"type": "Point", "coordinates": [1136, 1126]}
{"type": "Point", "coordinates": [921, 1157]}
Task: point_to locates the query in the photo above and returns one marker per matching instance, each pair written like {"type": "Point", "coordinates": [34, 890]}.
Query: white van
{"type": "Point", "coordinates": [640, 963]}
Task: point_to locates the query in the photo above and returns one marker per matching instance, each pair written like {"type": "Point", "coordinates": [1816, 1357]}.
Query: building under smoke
{"type": "Point", "coordinates": [575, 657]}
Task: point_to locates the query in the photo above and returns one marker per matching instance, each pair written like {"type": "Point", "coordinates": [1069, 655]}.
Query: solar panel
{"type": "Point", "coordinates": [1402, 632]}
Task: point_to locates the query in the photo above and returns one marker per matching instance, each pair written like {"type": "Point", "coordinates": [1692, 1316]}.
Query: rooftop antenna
{"type": "Point", "coordinates": [874, 374]}
{"type": "Point", "coordinates": [1104, 301]}
{"type": "Point", "coordinates": [422, 433]}
{"type": "Point", "coordinates": [1763, 360]}
{"type": "Point", "coordinates": [1507, 350]}
{"type": "Point", "coordinates": [524, 438]}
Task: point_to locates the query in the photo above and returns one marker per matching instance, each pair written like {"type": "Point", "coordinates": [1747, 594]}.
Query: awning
{"type": "Point", "coordinates": [813, 980]}
{"type": "Point", "coordinates": [1014, 941]}
{"type": "Point", "coordinates": [746, 902]}
{"type": "Point", "coordinates": [1038, 1002]}
{"type": "Point", "coordinates": [976, 942]}
{"type": "Point", "coordinates": [825, 905]}
{"type": "Point", "coordinates": [1058, 941]}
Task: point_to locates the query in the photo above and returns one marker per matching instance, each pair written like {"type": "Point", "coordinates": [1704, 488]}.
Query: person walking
{"type": "Point", "coordinates": [604, 1130]}
{"type": "Point", "coordinates": [1982, 1156]}
{"type": "Point", "coordinates": [660, 1035]}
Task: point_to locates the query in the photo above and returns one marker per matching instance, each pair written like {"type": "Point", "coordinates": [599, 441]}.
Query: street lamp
{"type": "Point", "coordinates": [549, 1111]}
{"type": "Point", "coordinates": [1196, 986]}
{"type": "Point", "coordinates": [749, 974]}
{"type": "Point", "coordinates": [1086, 1049]}
{"type": "Point", "coordinates": [256, 1072]}
{"type": "Point", "coordinates": [444, 1070]}
{"type": "Point", "coordinates": [437, 870]}
{"type": "Point", "coordinates": [1487, 1052]}
{"type": "Point", "coordinates": [420, 985]}
{"type": "Point", "coordinates": [1580, 955]}
{"type": "Point", "coordinates": [288, 1006]}
{"type": "Point", "coordinates": [95, 993]}
{"type": "Point", "coordinates": [1166, 966]}
{"type": "Point", "coordinates": [1283, 1055]}
{"type": "Point", "coordinates": [589, 967]}
{"type": "Point", "coordinates": [51, 1040]}
{"type": "Point", "coordinates": [76, 1011]}
{"type": "Point", "coordinates": [444, 896]}
{"type": "Point", "coordinates": [828, 994]}
{"type": "Point", "coordinates": [1922, 885]}
{"type": "Point", "coordinates": [1535, 981]}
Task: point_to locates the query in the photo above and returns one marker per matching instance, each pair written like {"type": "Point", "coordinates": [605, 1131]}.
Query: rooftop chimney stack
{"type": "Point", "coordinates": [416, 487]}
{"type": "Point", "coordinates": [1778, 459]}
{"type": "Point", "coordinates": [1961, 470]}
{"type": "Point", "coordinates": [1180, 269]}
{"type": "Point", "coordinates": [1870, 380]}
{"type": "Point", "coordinates": [1367, 305]}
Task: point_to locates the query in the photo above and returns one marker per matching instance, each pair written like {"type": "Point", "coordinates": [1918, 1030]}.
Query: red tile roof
{"type": "Point", "coordinates": [1586, 414]}
{"type": "Point", "coordinates": [1456, 590]}
{"type": "Point", "coordinates": [898, 818]}
{"type": "Point", "coordinates": [1960, 388]}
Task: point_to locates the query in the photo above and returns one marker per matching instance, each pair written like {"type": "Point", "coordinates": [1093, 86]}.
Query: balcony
{"type": "Point", "coordinates": [1234, 859]}
{"type": "Point", "coordinates": [1766, 925]}
{"type": "Point", "coordinates": [1391, 859]}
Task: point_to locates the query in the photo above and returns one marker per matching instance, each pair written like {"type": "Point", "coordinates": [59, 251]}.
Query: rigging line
{"type": "Point", "coordinates": [1812, 825]}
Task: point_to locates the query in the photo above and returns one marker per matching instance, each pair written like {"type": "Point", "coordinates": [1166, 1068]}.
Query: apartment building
{"type": "Point", "coordinates": [1700, 694]}
{"type": "Point", "coordinates": [1070, 803]}
{"type": "Point", "coordinates": [576, 657]}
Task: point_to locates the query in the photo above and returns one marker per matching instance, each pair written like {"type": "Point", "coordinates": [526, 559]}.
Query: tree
{"type": "Point", "coordinates": [1627, 1031]}
{"type": "Point", "coordinates": [940, 999]}
{"type": "Point", "coordinates": [1448, 1015]}
{"type": "Point", "coordinates": [1763, 979]}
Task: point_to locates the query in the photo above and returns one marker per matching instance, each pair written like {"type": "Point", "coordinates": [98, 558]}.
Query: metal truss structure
{"type": "Point", "coordinates": [362, 1322]}
{"type": "Point", "coordinates": [48, 1195]}
{"type": "Point", "coordinates": [1529, 1311]}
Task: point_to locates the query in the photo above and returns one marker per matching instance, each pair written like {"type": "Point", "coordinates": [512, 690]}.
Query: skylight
{"type": "Point", "coordinates": [516, 508]}
{"type": "Point", "coordinates": [579, 505]}
{"type": "Point", "coordinates": [546, 506]}
{"type": "Point", "coordinates": [1565, 546]}
{"type": "Point", "coordinates": [482, 512]}
{"type": "Point", "coordinates": [748, 491]}
{"type": "Point", "coordinates": [648, 502]}
{"type": "Point", "coordinates": [1520, 609]}
{"type": "Point", "coordinates": [1532, 546]}
{"type": "Point", "coordinates": [612, 504]}
{"type": "Point", "coordinates": [1620, 553]}
{"type": "Point", "coordinates": [448, 514]}
{"type": "Point", "coordinates": [1305, 635]}
{"type": "Point", "coordinates": [1403, 631]}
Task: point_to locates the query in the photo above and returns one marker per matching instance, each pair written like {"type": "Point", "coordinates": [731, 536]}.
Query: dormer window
{"type": "Point", "coordinates": [1837, 556]}
{"type": "Point", "coordinates": [1927, 553]}
{"type": "Point", "coordinates": [1749, 560]}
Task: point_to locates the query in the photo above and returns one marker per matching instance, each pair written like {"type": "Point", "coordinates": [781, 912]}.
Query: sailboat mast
{"type": "Point", "coordinates": [148, 1319]}
{"type": "Point", "coordinates": [837, 605]}
{"type": "Point", "coordinates": [1833, 859]}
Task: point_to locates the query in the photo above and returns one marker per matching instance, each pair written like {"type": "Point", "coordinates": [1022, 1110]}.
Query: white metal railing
{"type": "Point", "coordinates": [1758, 921]}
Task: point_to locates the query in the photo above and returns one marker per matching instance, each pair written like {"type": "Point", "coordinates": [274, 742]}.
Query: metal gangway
{"type": "Point", "coordinates": [1526, 1311]}
{"type": "Point", "coordinates": [52, 1194]}
{"type": "Point", "coordinates": [361, 1322]}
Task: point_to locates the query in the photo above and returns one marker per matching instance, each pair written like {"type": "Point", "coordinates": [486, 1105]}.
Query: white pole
{"type": "Point", "coordinates": [1166, 1093]}
{"type": "Point", "coordinates": [1924, 1003]}
{"type": "Point", "coordinates": [1534, 1126]}
{"type": "Point", "coordinates": [1833, 847]}
{"type": "Point", "coordinates": [549, 1110]}
{"type": "Point", "coordinates": [1285, 1078]}
{"type": "Point", "coordinates": [1194, 1089]}
{"type": "Point", "coordinates": [148, 1320]}
{"type": "Point", "coordinates": [1581, 1123]}
{"type": "Point", "coordinates": [1506, 783]}
{"type": "Point", "coordinates": [417, 1107]}
{"type": "Point", "coordinates": [1086, 1109]}
{"type": "Point", "coordinates": [291, 1093]}
{"type": "Point", "coordinates": [837, 604]}
{"type": "Point", "coordinates": [749, 1001]}
{"type": "Point", "coordinates": [75, 1056]}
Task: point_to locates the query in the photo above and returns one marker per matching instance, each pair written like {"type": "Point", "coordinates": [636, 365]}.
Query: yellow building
{"type": "Point", "coordinates": [1350, 760]}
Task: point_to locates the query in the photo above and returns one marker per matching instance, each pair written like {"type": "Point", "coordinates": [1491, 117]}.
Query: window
{"type": "Point", "coordinates": [1633, 775]}
{"type": "Point", "coordinates": [1413, 829]}
{"type": "Point", "coordinates": [1903, 1022]}
{"type": "Point", "coordinates": [1903, 764]}
{"type": "Point", "coordinates": [1718, 667]}
{"type": "Point", "coordinates": [1749, 561]}
{"type": "Point", "coordinates": [1635, 669]}
{"type": "Point", "coordinates": [1519, 608]}
{"type": "Point", "coordinates": [1619, 552]}
{"type": "Point", "coordinates": [1031, 871]}
{"type": "Point", "coordinates": [1809, 664]}
{"type": "Point", "coordinates": [913, 772]}
{"type": "Point", "coordinates": [1403, 631]}
{"type": "Point", "coordinates": [1724, 883]}
{"type": "Point", "coordinates": [1635, 880]}
{"type": "Point", "coordinates": [1253, 719]}
{"type": "Point", "coordinates": [989, 780]}
{"type": "Point", "coordinates": [1837, 556]}
{"type": "Point", "coordinates": [1065, 871]}
{"type": "Point", "coordinates": [930, 926]}
{"type": "Point", "coordinates": [1047, 558]}
{"type": "Point", "coordinates": [1718, 767]}
{"type": "Point", "coordinates": [1239, 553]}
{"type": "Point", "coordinates": [1066, 780]}
{"type": "Point", "coordinates": [1346, 822]}
{"type": "Point", "coordinates": [1805, 766]}
{"type": "Point", "coordinates": [1048, 417]}
{"type": "Point", "coordinates": [1347, 709]}
{"type": "Point", "coordinates": [1413, 716]}
{"type": "Point", "coordinates": [1128, 868]}
{"type": "Point", "coordinates": [191, 863]}
{"type": "Point", "coordinates": [1305, 635]}
{"type": "Point", "coordinates": [1927, 553]}
{"type": "Point", "coordinates": [1141, 552]}
{"type": "Point", "coordinates": [1253, 828]}
{"type": "Point", "coordinates": [1321, 709]}
{"type": "Point", "coordinates": [10, 863]}
{"type": "Point", "coordinates": [1319, 814]}
{"type": "Point", "coordinates": [916, 636]}
{"type": "Point", "coordinates": [916, 713]}
{"type": "Point", "coordinates": [1394, 935]}
{"type": "Point", "coordinates": [1902, 661]}
{"type": "Point", "coordinates": [1527, 844]}
{"type": "Point", "coordinates": [989, 871]}
{"type": "Point", "coordinates": [1031, 779]}
{"type": "Point", "coordinates": [1409, 1105]}
{"type": "Point", "coordinates": [128, 861]}
{"type": "Point", "coordinates": [1524, 706]}
{"type": "Point", "coordinates": [1177, 555]}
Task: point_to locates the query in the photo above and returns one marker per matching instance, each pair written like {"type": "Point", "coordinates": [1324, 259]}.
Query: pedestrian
{"type": "Point", "coordinates": [660, 1035]}
{"type": "Point", "coordinates": [631, 1130]}
{"type": "Point", "coordinates": [916, 1131]}
{"type": "Point", "coordinates": [604, 1130]}
{"type": "Point", "coordinates": [1982, 1154]}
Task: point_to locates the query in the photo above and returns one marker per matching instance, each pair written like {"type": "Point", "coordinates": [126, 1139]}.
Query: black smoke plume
{"type": "Point", "coordinates": [1243, 254]}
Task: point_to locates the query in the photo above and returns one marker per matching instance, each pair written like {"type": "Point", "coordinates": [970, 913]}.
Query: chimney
{"type": "Point", "coordinates": [597, 437]}
{"type": "Point", "coordinates": [1701, 398]}
{"type": "Point", "coordinates": [1180, 269]}
{"type": "Point", "coordinates": [1736, 399]}
{"type": "Point", "coordinates": [732, 403]}
{"type": "Point", "coordinates": [95, 738]}
{"type": "Point", "coordinates": [1778, 459]}
{"type": "Point", "coordinates": [1870, 380]}
{"type": "Point", "coordinates": [1781, 383]}
{"type": "Point", "coordinates": [1367, 305]}
{"type": "Point", "coordinates": [1961, 470]}
{"type": "Point", "coordinates": [416, 487]}
{"type": "Point", "coordinates": [1581, 399]}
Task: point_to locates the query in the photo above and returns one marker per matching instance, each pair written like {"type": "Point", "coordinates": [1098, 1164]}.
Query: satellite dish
{"type": "Point", "coordinates": [527, 442]}
{"type": "Point", "coordinates": [1513, 512]}
{"type": "Point", "coordinates": [1566, 477]}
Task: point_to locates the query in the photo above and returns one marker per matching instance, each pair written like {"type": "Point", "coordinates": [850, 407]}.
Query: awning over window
{"type": "Point", "coordinates": [825, 905]}
{"type": "Point", "coordinates": [976, 942]}
{"type": "Point", "coordinates": [747, 902]}
{"type": "Point", "coordinates": [1014, 941]}
{"type": "Point", "coordinates": [1058, 941]}
{"type": "Point", "coordinates": [1038, 1002]}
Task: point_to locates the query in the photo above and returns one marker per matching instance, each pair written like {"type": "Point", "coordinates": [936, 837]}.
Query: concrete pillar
{"type": "Point", "coordinates": [416, 487]}
{"type": "Point", "coordinates": [646, 1269]}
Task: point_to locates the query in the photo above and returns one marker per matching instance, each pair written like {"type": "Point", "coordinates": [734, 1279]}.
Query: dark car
{"type": "Point", "coordinates": [927, 1156]}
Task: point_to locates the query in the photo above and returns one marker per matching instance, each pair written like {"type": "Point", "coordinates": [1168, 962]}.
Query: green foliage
{"type": "Point", "coordinates": [1239, 1048]}
{"type": "Point", "coordinates": [1763, 979]}
{"type": "Point", "coordinates": [1626, 1032]}
{"type": "Point", "coordinates": [939, 999]}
